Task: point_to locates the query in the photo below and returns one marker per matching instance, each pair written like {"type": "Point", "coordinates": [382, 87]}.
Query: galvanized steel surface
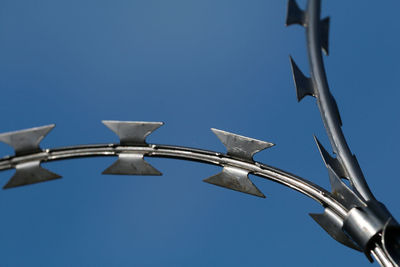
{"type": "Point", "coordinates": [367, 218]}
{"type": "Point", "coordinates": [215, 158]}
{"type": "Point", "coordinates": [353, 218]}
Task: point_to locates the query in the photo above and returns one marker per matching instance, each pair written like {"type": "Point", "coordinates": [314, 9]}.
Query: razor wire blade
{"type": "Point", "coordinates": [352, 215]}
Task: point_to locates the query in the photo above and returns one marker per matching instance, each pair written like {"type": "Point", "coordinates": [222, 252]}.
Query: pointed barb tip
{"type": "Point", "coordinates": [342, 193]}
{"type": "Point", "coordinates": [334, 163]}
{"type": "Point", "coordinates": [304, 85]}
{"type": "Point", "coordinates": [294, 15]}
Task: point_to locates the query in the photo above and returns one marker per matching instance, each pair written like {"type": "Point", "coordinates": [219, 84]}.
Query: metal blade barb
{"type": "Point", "coordinates": [334, 163]}
{"type": "Point", "coordinates": [30, 173]}
{"type": "Point", "coordinates": [332, 224]}
{"type": "Point", "coordinates": [132, 132]}
{"type": "Point", "coordinates": [26, 141]}
{"type": "Point", "coordinates": [304, 85]}
{"type": "Point", "coordinates": [131, 164]}
{"type": "Point", "coordinates": [294, 15]}
{"type": "Point", "coordinates": [342, 193]}
{"type": "Point", "coordinates": [240, 146]}
{"type": "Point", "coordinates": [235, 179]}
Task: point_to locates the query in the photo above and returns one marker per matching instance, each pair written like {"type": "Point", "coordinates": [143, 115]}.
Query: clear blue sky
{"type": "Point", "coordinates": [193, 65]}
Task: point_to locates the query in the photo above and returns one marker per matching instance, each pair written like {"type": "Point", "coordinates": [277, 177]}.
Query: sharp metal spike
{"type": "Point", "coordinates": [342, 193]}
{"type": "Point", "coordinates": [294, 15]}
{"type": "Point", "coordinates": [334, 163]}
{"type": "Point", "coordinates": [131, 164]}
{"type": "Point", "coordinates": [235, 179]}
{"type": "Point", "coordinates": [332, 224]}
{"type": "Point", "coordinates": [304, 85]}
{"type": "Point", "coordinates": [30, 173]}
{"type": "Point", "coordinates": [132, 132]}
{"type": "Point", "coordinates": [26, 141]}
{"type": "Point", "coordinates": [240, 146]}
{"type": "Point", "coordinates": [325, 35]}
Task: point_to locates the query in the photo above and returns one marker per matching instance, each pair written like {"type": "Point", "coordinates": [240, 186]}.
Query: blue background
{"type": "Point", "coordinates": [193, 65]}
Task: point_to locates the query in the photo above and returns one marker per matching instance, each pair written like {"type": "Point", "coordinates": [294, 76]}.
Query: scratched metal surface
{"type": "Point", "coordinates": [193, 66]}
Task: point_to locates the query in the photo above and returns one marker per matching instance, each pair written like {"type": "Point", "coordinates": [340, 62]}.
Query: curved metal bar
{"type": "Point", "coordinates": [381, 257]}
{"type": "Point", "coordinates": [327, 104]}
{"type": "Point", "coordinates": [184, 153]}
{"type": "Point", "coordinates": [332, 122]}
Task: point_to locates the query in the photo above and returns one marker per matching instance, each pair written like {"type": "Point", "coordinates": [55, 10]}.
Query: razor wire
{"type": "Point", "coordinates": [352, 215]}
